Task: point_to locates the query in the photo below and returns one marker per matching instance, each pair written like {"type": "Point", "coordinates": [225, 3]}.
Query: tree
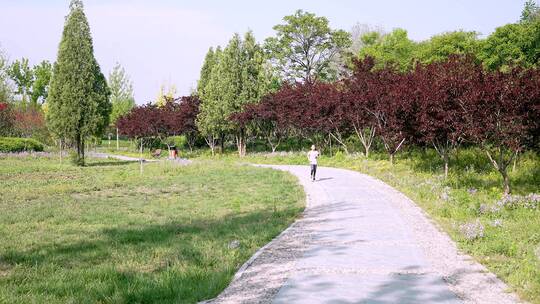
{"type": "Point", "coordinates": [442, 89]}
{"type": "Point", "coordinates": [255, 82]}
{"type": "Point", "coordinates": [42, 79]}
{"type": "Point", "coordinates": [189, 109]}
{"type": "Point", "coordinates": [440, 47]}
{"type": "Point", "coordinates": [393, 108]}
{"type": "Point", "coordinates": [531, 11]}
{"type": "Point", "coordinates": [359, 100]}
{"type": "Point", "coordinates": [122, 99]}
{"type": "Point", "coordinates": [504, 109]}
{"type": "Point", "coordinates": [6, 119]}
{"type": "Point", "coordinates": [394, 49]}
{"type": "Point", "coordinates": [22, 75]}
{"type": "Point", "coordinates": [206, 71]}
{"type": "Point", "coordinates": [304, 47]}
{"type": "Point", "coordinates": [511, 45]}
{"type": "Point", "coordinates": [29, 122]}
{"type": "Point", "coordinates": [166, 93]}
{"type": "Point", "coordinates": [238, 77]}
{"type": "Point", "coordinates": [79, 105]}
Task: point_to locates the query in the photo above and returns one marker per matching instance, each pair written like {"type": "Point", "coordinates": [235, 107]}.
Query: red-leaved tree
{"type": "Point", "coordinates": [6, 119]}
{"type": "Point", "coordinates": [503, 112]}
{"type": "Point", "coordinates": [359, 101]}
{"type": "Point", "coordinates": [442, 89]}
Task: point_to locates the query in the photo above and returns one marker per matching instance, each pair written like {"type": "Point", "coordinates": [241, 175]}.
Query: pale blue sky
{"type": "Point", "coordinates": [164, 41]}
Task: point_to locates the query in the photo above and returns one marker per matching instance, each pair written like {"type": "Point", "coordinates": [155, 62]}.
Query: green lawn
{"type": "Point", "coordinates": [508, 250]}
{"type": "Point", "coordinates": [106, 234]}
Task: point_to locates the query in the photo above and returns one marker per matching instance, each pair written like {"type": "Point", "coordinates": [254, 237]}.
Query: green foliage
{"type": "Point", "coordinates": [531, 12]}
{"type": "Point", "coordinates": [121, 88]}
{"type": "Point", "coordinates": [439, 47]}
{"type": "Point", "coordinates": [42, 78]}
{"type": "Point", "coordinates": [5, 88]}
{"type": "Point", "coordinates": [22, 75]}
{"type": "Point", "coordinates": [512, 44]}
{"type": "Point", "coordinates": [230, 79]}
{"type": "Point", "coordinates": [206, 71]}
{"type": "Point", "coordinates": [392, 49]}
{"type": "Point", "coordinates": [78, 102]}
{"type": "Point", "coordinates": [180, 142]}
{"type": "Point", "coordinates": [15, 144]}
{"type": "Point", "coordinates": [304, 47]}
{"type": "Point", "coordinates": [112, 235]}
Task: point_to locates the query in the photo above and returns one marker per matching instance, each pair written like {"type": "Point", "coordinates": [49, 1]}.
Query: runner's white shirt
{"type": "Point", "coordinates": [312, 155]}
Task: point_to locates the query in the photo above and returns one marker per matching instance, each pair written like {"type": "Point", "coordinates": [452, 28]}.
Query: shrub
{"type": "Point", "coordinates": [14, 144]}
{"type": "Point", "coordinates": [472, 230]}
{"type": "Point", "coordinates": [179, 142]}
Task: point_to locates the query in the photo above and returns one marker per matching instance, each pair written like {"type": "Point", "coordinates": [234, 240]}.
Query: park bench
{"type": "Point", "coordinates": [156, 153]}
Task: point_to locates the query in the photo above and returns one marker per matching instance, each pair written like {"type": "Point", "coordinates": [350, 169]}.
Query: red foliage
{"type": "Point", "coordinates": [6, 119]}
{"type": "Point", "coordinates": [150, 121]}
{"type": "Point", "coordinates": [28, 121]}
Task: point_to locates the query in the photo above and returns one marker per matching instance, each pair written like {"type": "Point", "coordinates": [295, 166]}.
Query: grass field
{"type": "Point", "coordinates": [511, 236]}
{"type": "Point", "coordinates": [106, 234]}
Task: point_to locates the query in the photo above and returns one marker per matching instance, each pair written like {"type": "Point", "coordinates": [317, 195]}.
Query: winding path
{"type": "Point", "coordinates": [361, 241]}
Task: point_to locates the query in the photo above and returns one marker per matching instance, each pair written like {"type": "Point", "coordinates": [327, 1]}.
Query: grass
{"type": "Point", "coordinates": [106, 234]}
{"type": "Point", "coordinates": [508, 250]}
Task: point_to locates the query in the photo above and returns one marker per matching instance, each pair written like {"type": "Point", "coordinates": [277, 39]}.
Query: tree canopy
{"type": "Point", "coordinates": [304, 47]}
{"type": "Point", "coordinates": [121, 88]}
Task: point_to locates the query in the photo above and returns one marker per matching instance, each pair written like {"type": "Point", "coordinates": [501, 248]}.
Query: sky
{"type": "Point", "coordinates": [163, 42]}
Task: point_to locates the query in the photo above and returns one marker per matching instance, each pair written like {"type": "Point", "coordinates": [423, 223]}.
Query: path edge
{"type": "Point", "coordinates": [252, 259]}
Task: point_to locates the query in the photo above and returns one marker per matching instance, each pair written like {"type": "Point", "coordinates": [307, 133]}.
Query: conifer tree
{"type": "Point", "coordinates": [78, 102]}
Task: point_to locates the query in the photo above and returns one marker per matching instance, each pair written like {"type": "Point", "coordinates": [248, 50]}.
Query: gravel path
{"type": "Point", "coordinates": [181, 161]}
{"type": "Point", "coordinates": [361, 241]}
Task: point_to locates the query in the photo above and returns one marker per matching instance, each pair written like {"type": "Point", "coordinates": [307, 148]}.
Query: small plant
{"type": "Point", "coordinates": [531, 201]}
{"type": "Point", "coordinates": [472, 230]}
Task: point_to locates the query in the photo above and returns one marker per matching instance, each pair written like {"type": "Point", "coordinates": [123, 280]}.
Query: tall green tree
{"type": "Point", "coordinates": [256, 82]}
{"type": "Point", "coordinates": [42, 78]}
{"type": "Point", "coordinates": [206, 71]}
{"type": "Point", "coordinates": [211, 121]}
{"type": "Point", "coordinates": [22, 75]}
{"type": "Point", "coordinates": [393, 49]}
{"type": "Point", "coordinates": [531, 11]}
{"type": "Point", "coordinates": [78, 102]}
{"type": "Point", "coordinates": [304, 47]}
{"type": "Point", "coordinates": [239, 76]}
{"type": "Point", "coordinates": [122, 99]}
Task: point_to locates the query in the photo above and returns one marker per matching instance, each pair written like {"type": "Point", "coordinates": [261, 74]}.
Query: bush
{"type": "Point", "coordinates": [180, 142]}
{"type": "Point", "coordinates": [15, 144]}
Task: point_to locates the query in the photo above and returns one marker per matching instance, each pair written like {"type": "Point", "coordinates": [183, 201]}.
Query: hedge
{"type": "Point", "coordinates": [15, 144]}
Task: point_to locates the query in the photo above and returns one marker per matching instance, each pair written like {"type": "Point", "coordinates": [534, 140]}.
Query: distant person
{"type": "Point", "coordinates": [312, 157]}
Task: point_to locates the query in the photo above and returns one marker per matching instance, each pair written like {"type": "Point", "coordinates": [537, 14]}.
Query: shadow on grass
{"type": "Point", "coordinates": [110, 163]}
{"type": "Point", "coordinates": [166, 263]}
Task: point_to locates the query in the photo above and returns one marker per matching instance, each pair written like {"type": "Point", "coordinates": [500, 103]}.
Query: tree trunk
{"type": "Point", "coordinates": [140, 157]}
{"type": "Point", "coordinates": [61, 149]}
{"type": "Point", "coordinates": [80, 151]}
{"type": "Point", "coordinates": [506, 181]}
{"type": "Point", "coordinates": [241, 142]}
{"type": "Point", "coordinates": [392, 158]}
{"type": "Point", "coordinates": [117, 141]}
{"type": "Point", "coordinates": [222, 143]}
